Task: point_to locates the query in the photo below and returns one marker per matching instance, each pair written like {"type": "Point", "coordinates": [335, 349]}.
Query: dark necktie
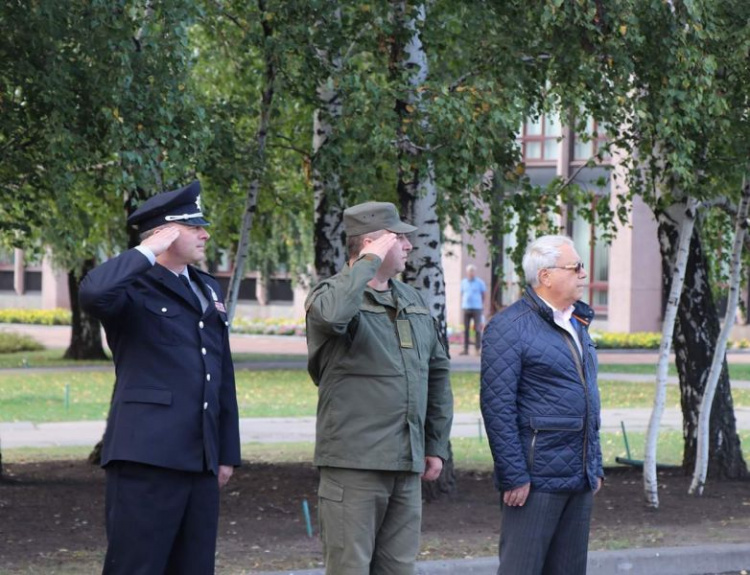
{"type": "Point", "coordinates": [194, 295]}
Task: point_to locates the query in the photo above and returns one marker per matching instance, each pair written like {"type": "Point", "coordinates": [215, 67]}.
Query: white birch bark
{"type": "Point", "coordinates": [650, 482]}
{"type": "Point", "coordinates": [424, 267]}
{"type": "Point", "coordinates": [702, 455]}
{"type": "Point", "coordinates": [330, 247]}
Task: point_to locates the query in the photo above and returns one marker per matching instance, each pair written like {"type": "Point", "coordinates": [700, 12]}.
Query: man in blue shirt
{"type": "Point", "coordinates": [472, 302]}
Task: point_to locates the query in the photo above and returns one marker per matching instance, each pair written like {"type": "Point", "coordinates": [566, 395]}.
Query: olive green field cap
{"type": "Point", "coordinates": [373, 216]}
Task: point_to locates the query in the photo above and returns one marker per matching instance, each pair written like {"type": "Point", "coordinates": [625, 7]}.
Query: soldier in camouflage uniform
{"type": "Point", "coordinates": [384, 402]}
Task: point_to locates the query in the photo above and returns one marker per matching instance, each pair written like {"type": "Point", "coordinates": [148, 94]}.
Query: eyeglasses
{"type": "Point", "coordinates": [577, 267]}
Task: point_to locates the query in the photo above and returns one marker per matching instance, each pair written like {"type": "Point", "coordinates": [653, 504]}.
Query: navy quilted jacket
{"type": "Point", "coordinates": [539, 399]}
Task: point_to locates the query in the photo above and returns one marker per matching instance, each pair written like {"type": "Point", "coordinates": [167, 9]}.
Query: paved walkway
{"type": "Point", "coordinates": [698, 560]}
{"type": "Point", "coordinates": [300, 429]}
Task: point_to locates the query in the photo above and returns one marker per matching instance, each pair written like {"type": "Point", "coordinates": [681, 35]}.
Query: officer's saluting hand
{"type": "Point", "coordinates": [161, 239]}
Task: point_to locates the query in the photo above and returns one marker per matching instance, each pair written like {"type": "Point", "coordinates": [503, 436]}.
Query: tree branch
{"type": "Point", "coordinates": [410, 147]}
{"type": "Point", "coordinates": [724, 204]}
{"type": "Point", "coordinates": [572, 177]}
{"type": "Point", "coordinates": [233, 19]}
{"type": "Point", "coordinates": [461, 79]}
{"type": "Point", "coordinates": [292, 148]}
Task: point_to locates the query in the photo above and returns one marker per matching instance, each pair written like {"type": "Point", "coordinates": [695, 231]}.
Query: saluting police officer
{"type": "Point", "coordinates": [384, 402]}
{"type": "Point", "coordinates": [172, 436]}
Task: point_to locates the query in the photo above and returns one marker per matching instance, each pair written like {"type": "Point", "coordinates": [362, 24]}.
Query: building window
{"type": "Point", "coordinates": [590, 142]}
{"type": "Point", "coordinates": [540, 139]}
{"type": "Point", "coordinates": [594, 253]}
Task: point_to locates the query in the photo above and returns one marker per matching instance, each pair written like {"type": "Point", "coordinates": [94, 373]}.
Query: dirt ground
{"type": "Point", "coordinates": [52, 517]}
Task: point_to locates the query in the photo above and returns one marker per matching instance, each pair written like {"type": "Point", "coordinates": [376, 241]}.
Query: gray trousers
{"type": "Point", "coordinates": [474, 315]}
{"type": "Point", "coordinates": [370, 521]}
{"type": "Point", "coordinates": [549, 535]}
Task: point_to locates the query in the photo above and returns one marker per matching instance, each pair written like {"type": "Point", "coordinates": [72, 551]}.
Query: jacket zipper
{"type": "Point", "coordinates": [571, 345]}
{"type": "Point", "coordinates": [531, 450]}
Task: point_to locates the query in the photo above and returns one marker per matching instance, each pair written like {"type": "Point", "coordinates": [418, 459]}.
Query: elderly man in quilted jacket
{"type": "Point", "coordinates": [540, 404]}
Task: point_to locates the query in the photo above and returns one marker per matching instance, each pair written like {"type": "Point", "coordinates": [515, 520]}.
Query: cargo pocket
{"type": "Point", "coordinates": [331, 513]}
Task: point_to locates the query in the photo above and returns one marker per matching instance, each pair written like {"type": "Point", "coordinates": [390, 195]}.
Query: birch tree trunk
{"type": "Point", "coordinates": [650, 482]}
{"type": "Point", "coordinates": [329, 238]}
{"type": "Point", "coordinates": [701, 463]}
{"type": "Point", "coordinates": [418, 197]}
{"type": "Point", "coordinates": [696, 333]}
{"type": "Point", "coordinates": [251, 201]}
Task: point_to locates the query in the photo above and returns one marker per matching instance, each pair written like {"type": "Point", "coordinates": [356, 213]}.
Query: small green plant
{"type": "Point", "coordinates": [11, 342]}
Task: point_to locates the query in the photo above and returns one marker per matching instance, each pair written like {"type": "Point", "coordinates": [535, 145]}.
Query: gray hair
{"type": "Point", "coordinates": [471, 268]}
{"type": "Point", "coordinates": [542, 253]}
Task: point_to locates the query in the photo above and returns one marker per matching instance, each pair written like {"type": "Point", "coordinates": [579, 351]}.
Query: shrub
{"type": "Point", "coordinates": [11, 342]}
{"type": "Point", "coordinates": [637, 340]}
{"type": "Point", "coordinates": [643, 340]}
{"type": "Point", "coordinates": [269, 326]}
{"type": "Point", "coordinates": [36, 316]}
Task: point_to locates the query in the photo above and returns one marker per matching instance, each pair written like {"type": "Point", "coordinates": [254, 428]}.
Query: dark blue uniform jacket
{"type": "Point", "coordinates": [539, 399]}
{"type": "Point", "coordinates": [174, 403]}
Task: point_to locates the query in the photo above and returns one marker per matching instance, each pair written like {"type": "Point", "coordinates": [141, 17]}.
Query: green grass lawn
{"type": "Point", "coordinates": [60, 395]}
{"type": "Point", "coordinates": [50, 358]}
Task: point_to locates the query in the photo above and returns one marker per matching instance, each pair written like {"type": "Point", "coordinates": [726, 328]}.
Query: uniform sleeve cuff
{"type": "Point", "coordinates": [367, 258]}
{"type": "Point", "coordinates": [148, 253]}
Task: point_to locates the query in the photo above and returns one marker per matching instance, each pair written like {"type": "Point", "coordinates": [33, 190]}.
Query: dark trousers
{"type": "Point", "coordinates": [476, 316]}
{"type": "Point", "coordinates": [549, 535]}
{"type": "Point", "coordinates": [160, 521]}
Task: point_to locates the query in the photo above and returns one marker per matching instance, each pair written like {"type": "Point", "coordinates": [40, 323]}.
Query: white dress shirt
{"type": "Point", "coordinates": [562, 318]}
